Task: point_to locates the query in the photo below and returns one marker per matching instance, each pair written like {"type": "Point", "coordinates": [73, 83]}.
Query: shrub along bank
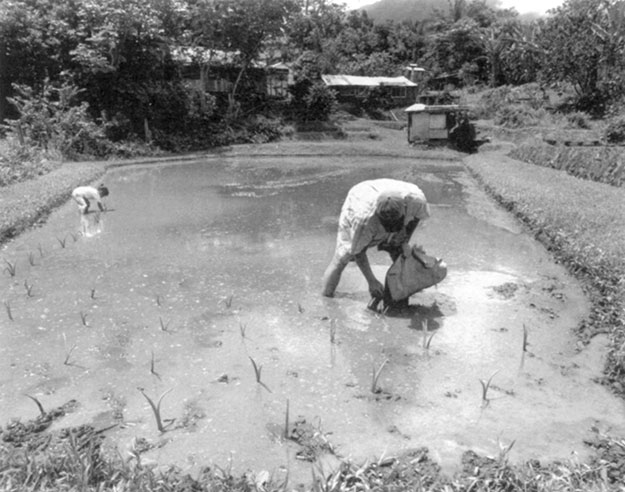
{"type": "Point", "coordinates": [604, 164]}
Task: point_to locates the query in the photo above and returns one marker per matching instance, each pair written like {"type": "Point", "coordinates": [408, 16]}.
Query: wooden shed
{"type": "Point", "coordinates": [430, 122]}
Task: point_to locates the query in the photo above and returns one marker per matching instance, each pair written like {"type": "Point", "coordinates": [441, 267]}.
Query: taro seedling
{"type": "Point", "coordinates": [152, 369]}
{"type": "Point", "coordinates": [485, 387]}
{"type": "Point", "coordinates": [7, 306]}
{"type": "Point", "coordinates": [158, 300]}
{"type": "Point", "coordinates": [40, 248]}
{"type": "Point", "coordinates": [427, 337]}
{"type": "Point", "coordinates": [69, 355]}
{"type": "Point", "coordinates": [525, 335]}
{"type": "Point", "coordinates": [10, 268]}
{"type": "Point", "coordinates": [228, 301]}
{"type": "Point", "coordinates": [525, 344]}
{"type": "Point", "coordinates": [29, 288]}
{"type": "Point", "coordinates": [257, 372]}
{"type": "Point", "coordinates": [156, 409]}
{"type": "Point", "coordinates": [83, 318]}
{"type": "Point", "coordinates": [243, 330]}
{"type": "Point", "coordinates": [375, 376]}
{"type": "Point", "coordinates": [164, 326]}
{"type": "Point", "coordinates": [92, 294]}
{"type": "Point", "coordinates": [42, 412]}
{"type": "Point", "coordinates": [286, 420]}
{"type": "Point", "coordinates": [62, 241]}
{"type": "Point", "coordinates": [333, 331]}
{"type": "Point", "coordinates": [31, 259]}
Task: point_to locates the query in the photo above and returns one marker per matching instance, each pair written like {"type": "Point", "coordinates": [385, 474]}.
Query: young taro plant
{"type": "Point", "coordinates": [427, 337]}
{"type": "Point", "coordinates": [485, 387]}
{"type": "Point", "coordinates": [152, 369]}
{"type": "Point", "coordinates": [29, 288]}
{"type": "Point", "coordinates": [62, 241]}
{"type": "Point", "coordinates": [257, 371]}
{"type": "Point", "coordinates": [525, 344]}
{"type": "Point", "coordinates": [228, 301]}
{"type": "Point", "coordinates": [42, 412]}
{"type": "Point", "coordinates": [164, 326]}
{"type": "Point", "coordinates": [156, 408]}
{"type": "Point", "coordinates": [83, 318]}
{"type": "Point", "coordinates": [7, 305]}
{"type": "Point", "coordinates": [31, 259]}
{"type": "Point", "coordinates": [69, 355]}
{"type": "Point", "coordinates": [286, 421]}
{"type": "Point", "coordinates": [375, 376]}
{"type": "Point", "coordinates": [10, 268]}
{"type": "Point", "coordinates": [333, 331]}
{"type": "Point", "coordinates": [243, 330]}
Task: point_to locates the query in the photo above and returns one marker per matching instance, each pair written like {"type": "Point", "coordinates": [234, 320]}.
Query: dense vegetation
{"type": "Point", "coordinates": [81, 78]}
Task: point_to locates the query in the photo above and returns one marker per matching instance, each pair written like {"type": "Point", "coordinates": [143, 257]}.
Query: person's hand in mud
{"type": "Point", "coordinates": [376, 289]}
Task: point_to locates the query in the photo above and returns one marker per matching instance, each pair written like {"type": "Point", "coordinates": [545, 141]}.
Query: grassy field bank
{"type": "Point", "coordinates": [580, 221]}
{"type": "Point", "coordinates": [582, 224]}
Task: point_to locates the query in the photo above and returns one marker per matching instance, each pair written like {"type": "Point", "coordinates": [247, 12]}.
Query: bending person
{"type": "Point", "coordinates": [382, 213]}
{"type": "Point", "coordinates": [83, 194]}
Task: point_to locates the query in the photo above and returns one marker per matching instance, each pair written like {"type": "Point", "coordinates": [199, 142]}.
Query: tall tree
{"type": "Point", "coordinates": [583, 44]}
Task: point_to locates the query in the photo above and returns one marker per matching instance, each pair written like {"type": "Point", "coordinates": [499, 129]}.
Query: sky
{"type": "Point", "coordinates": [522, 6]}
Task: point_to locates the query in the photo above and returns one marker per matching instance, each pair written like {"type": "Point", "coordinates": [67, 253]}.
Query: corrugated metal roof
{"type": "Point", "coordinates": [355, 80]}
{"type": "Point", "coordinates": [438, 108]}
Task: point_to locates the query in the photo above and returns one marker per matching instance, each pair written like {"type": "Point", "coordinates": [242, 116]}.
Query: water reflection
{"type": "Point", "coordinates": [91, 223]}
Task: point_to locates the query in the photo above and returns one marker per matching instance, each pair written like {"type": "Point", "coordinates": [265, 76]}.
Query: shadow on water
{"type": "Point", "coordinates": [204, 288]}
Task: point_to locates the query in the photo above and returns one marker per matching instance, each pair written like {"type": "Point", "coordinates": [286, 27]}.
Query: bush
{"type": "Point", "coordinates": [51, 121]}
{"type": "Point", "coordinates": [615, 131]}
{"type": "Point", "coordinates": [578, 119]}
{"type": "Point", "coordinates": [517, 116]}
{"type": "Point", "coordinates": [21, 162]}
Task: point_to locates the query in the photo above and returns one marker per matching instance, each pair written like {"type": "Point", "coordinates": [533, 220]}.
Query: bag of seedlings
{"type": "Point", "coordinates": [411, 274]}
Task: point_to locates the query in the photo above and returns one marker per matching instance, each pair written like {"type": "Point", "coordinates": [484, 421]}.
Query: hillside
{"type": "Point", "coordinates": [398, 10]}
{"type": "Point", "coordinates": [417, 10]}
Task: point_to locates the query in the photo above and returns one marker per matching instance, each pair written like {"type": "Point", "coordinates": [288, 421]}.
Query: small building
{"type": "Point", "coordinates": [415, 73]}
{"type": "Point", "coordinates": [278, 79]}
{"type": "Point", "coordinates": [426, 123]}
{"type": "Point", "coordinates": [349, 87]}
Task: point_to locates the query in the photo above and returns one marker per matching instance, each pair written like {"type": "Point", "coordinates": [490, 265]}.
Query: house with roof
{"type": "Point", "coordinates": [351, 87]}
{"type": "Point", "coordinates": [215, 71]}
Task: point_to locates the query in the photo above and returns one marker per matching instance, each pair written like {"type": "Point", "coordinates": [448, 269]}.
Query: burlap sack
{"type": "Point", "coordinates": [410, 275]}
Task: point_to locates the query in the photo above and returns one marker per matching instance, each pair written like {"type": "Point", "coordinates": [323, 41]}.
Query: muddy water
{"type": "Point", "coordinates": [202, 267]}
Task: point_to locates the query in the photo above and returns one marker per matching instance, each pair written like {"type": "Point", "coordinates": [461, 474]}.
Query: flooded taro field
{"type": "Point", "coordinates": [199, 292]}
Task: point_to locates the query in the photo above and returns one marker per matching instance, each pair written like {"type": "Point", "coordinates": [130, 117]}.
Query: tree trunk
{"type": "Point", "coordinates": [5, 83]}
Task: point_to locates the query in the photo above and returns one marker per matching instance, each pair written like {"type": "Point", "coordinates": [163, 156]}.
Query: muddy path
{"type": "Point", "coordinates": [201, 290]}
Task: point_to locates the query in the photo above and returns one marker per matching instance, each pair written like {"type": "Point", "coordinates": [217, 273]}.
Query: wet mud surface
{"type": "Point", "coordinates": [199, 291]}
